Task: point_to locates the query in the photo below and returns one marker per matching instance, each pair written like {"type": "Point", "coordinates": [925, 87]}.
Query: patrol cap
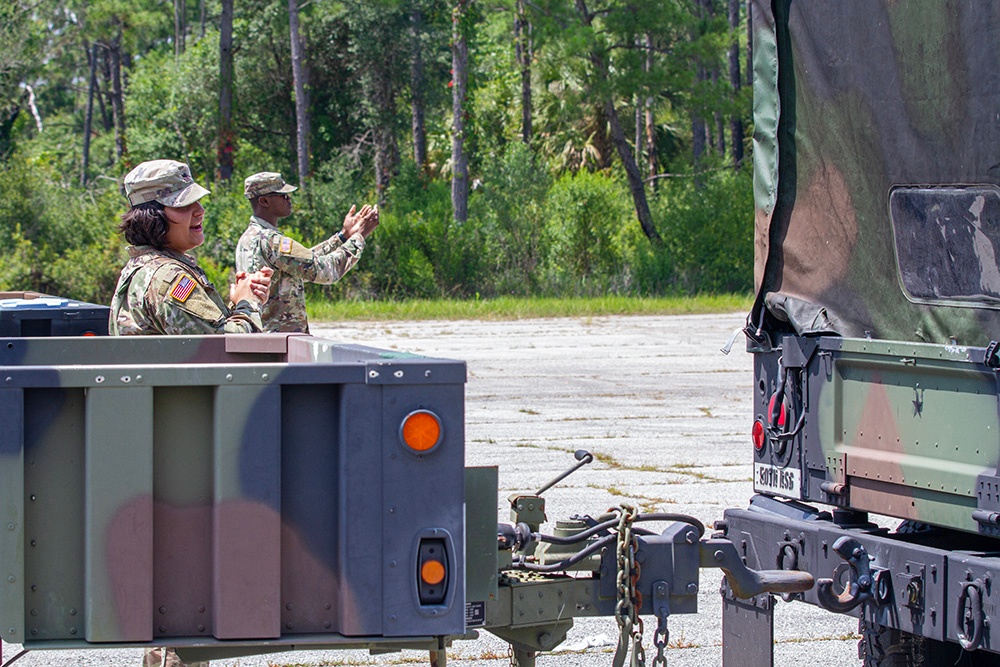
{"type": "Point", "coordinates": [266, 183]}
{"type": "Point", "coordinates": [166, 181]}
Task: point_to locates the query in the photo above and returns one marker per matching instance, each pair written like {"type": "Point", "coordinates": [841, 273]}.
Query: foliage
{"type": "Point", "coordinates": [550, 217]}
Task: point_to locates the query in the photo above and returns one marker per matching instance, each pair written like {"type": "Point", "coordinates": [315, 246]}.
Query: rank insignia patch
{"type": "Point", "coordinates": [286, 244]}
{"type": "Point", "coordinates": [182, 288]}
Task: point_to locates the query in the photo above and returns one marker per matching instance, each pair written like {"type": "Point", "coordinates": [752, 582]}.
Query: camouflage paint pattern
{"type": "Point", "coordinates": [852, 100]}
{"type": "Point", "coordinates": [166, 292]}
{"type": "Point", "coordinates": [248, 489]}
{"type": "Point", "coordinates": [262, 244]}
{"type": "Point", "coordinates": [877, 199]}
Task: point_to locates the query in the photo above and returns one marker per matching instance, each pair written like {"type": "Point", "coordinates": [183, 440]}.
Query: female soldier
{"type": "Point", "coordinates": [162, 290]}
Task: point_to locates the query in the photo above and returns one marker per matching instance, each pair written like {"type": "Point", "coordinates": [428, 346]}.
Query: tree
{"type": "Point", "coordinates": [227, 140]}
{"type": "Point", "coordinates": [461, 22]}
{"type": "Point", "coordinates": [735, 122]}
{"type": "Point", "coordinates": [300, 78]}
{"type": "Point", "coordinates": [598, 52]}
{"type": "Point", "coordinates": [523, 49]}
{"type": "Point", "coordinates": [418, 123]}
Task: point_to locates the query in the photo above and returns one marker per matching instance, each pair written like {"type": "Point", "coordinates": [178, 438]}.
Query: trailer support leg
{"type": "Point", "coordinates": [747, 631]}
{"type": "Point", "coordinates": [439, 656]}
{"type": "Point", "coordinates": [524, 658]}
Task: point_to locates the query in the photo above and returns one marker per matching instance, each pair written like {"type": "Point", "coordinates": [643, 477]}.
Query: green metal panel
{"type": "Point", "coordinates": [247, 532]}
{"type": "Point", "coordinates": [12, 517]}
{"type": "Point", "coordinates": [118, 504]}
{"type": "Point", "coordinates": [481, 534]}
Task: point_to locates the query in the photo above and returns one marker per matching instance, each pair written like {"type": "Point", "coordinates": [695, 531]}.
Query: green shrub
{"type": "Point", "coordinates": [588, 221]}
{"type": "Point", "coordinates": [508, 210]}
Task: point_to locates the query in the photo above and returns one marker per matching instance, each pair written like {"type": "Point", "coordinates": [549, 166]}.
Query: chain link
{"type": "Point", "coordinates": [630, 625]}
{"type": "Point", "coordinates": [661, 638]}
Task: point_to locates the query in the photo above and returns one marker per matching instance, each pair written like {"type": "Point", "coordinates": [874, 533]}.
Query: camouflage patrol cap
{"type": "Point", "coordinates": [166, 181]}
{"type": "Point", "coordinates": [266, 183]}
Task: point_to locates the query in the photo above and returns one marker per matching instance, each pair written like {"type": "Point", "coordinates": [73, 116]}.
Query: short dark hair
{"type": "Point", "coordinates": [145, 224]}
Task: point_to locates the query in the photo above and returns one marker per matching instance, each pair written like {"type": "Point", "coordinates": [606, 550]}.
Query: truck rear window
{"type": "Point", "coordinates": [946, 243]}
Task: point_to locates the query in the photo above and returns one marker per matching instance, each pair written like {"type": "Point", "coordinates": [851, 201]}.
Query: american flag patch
{"type": "Point", "coordinates": [182, 288]}
{"type": "Point", "coordinates": [286, 244]}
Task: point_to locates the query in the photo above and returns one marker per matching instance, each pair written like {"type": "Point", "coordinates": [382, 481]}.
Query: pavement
{"type": "Point", "coordinates": [667, 417]}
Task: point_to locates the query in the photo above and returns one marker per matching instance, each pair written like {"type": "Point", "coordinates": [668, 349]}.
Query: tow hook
{"type": "Point", "coordinates": [864, 583]}
{"type": "Point", "coordinates": [971, 619]}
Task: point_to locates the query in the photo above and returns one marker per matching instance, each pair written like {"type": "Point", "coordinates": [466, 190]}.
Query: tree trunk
{"type": "Point", "coordinates": [88, 119]}
{"type": "Point", "coordinates": [459, 161]}
{"type": "Point", "coordinates": [621, 143]}
{"type": "Point", "coordinates": [735, 81]}
{"type": "Point", "coordinates": [203, 12]}
{"type": "Point", "coordinates": [650, 120]}
{"type": "Point", "coordinates": [750, 43]}
{"type": "Point", "coordinates": [634, 177]}
{"type": "Point", "coordinates": [117, 94]}
{"type": "Point", "coordinates": [226, 144]}
{"type": "Point", "coordinates": [299, 75]}
{"type": "Point", "coordinates": [180, 25]}
{"type": "Point", "coordinates": [386, 149]}
{"type": "Point", "coordinates": [523, 51]}
{"type": "Point", "coordinates": [417, 123]}
{"type": "Point", "coordinates": [106, 121]}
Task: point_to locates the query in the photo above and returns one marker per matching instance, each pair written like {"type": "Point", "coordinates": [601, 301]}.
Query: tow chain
{"type": "Point", "coordinates": [629, 603]}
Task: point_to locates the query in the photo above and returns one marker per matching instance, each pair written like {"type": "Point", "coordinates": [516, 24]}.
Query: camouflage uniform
{"type": "Point", "coordinates": [262, 244]}
{"type": "Point", "coordinates": [166, 292]}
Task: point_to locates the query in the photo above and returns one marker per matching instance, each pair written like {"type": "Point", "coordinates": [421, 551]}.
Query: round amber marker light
{"type": "Point", "coordinates": [432, 572]}
{"type": "Point", "coordinates": [421, 431]}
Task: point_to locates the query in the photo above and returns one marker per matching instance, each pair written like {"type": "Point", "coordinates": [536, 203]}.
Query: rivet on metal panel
{"type": "Point", "coordinates": [126, 379]}
{"type": "Point", "coordinates": [392, 563]}
{"type": "Point", "coordinates": [201, 628]}
{"type": "Point", "coordinates": [327, 606]}
{"type": "Point", "coordinates": [229, 377]}
{"type": "Point", "coordinates": [163, 610]}
{"type": "Point", "coordinates": [288, 626]}
{"type": "Point", "coordinates": [392, 618]}
{"type": "Point", "coordinates": [138, 378]}
{"type": "Point", "coordinates": [692, 588]}
{"type": "Point", "coordinates": [288, 606]}
{"type": "Point", "coordinates": [72, 631]}
{"type": "Point", "coordinates": [373, 374]}
{"type": "Point", "coordinates": [34, 587]}
{"type": "Point", "coordinates": [34, 612]}
{"type": "Point", "coordinates": [427, 374]}
{"type": "Point", "coordinates": [9, 380]}
{"type": "Point", "coordinates": [263, 376]}
{"type": "Point", "coordinates": [398, 374]}
{"type": "Point", "coordinates": [392, 510]}
{"type": "Point", "coordinates": [162, 629]}
{"type": "Point", "coordinates": [201, 609]}
{"type": "Point", "coordinates": [99, 379]}
{"type": "Point", "coordinates": [34, 631]}
{"type": "Point", "coordinates": [72, 612]}
{"type": "Point", "coordinates": [11, 578]}
{"type": "Point", "coordinates": [11, 631]}
{"type": "Point", "coordinates": [32, 498]}
{"type": "Point", "coordinates": [327, 625]}
{"type": "Point", "coordinates": [10, 526]}
{"type": "Point", "coordinates": [718, 555]}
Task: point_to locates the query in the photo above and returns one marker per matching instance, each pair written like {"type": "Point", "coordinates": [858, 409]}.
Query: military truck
{"type": "Point", "coordinates": [876, 146]}
{"type": "Point", "coordinates": [324, 502]}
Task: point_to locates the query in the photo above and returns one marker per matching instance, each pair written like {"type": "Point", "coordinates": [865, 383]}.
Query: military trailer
{"type": "Point", "coordinates": [325, 503]}
{"type": "Point", "coordinates": [877, 165]}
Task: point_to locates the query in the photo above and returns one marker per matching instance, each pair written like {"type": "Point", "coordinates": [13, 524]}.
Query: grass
{"type": "Point", "coordinates": [511, 308]}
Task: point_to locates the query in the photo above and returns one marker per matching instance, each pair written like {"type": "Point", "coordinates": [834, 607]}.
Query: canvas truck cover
{"type": "Point", "coordinates": [877, 164]}
{"type": "Point", "coordinates": [236, 490]}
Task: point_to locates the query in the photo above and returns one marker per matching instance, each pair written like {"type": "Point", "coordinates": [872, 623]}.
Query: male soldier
{"type": "Point", "coordinates": [263, 245]}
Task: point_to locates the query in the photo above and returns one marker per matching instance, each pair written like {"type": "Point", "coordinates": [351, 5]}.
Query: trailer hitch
{"type": "Point", "coordinates": [864, 582]}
